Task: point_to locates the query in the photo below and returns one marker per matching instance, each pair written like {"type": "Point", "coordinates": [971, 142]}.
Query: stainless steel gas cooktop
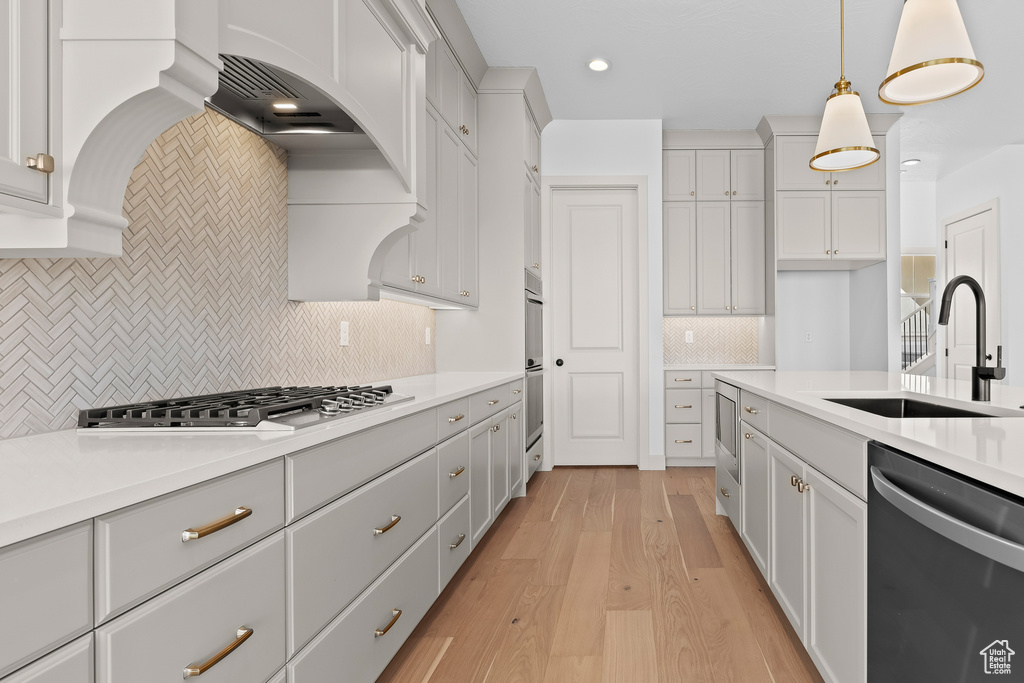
{"type": "Point", "coordinates": [267, 409]}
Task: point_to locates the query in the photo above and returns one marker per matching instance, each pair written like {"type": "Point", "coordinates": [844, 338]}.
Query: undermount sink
{"type": "Point", "coordinates": [906, 408]}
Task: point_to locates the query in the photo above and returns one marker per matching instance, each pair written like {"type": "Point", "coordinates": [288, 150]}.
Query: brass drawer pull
{"type": "Point", "coordinates": [453, 546]}
{"type": "Point", "coordinates": [793, 480]}
{"type": "Point", "coordinates": [686, 406]}
{"type": "Point", "coordinates": [538, 456]}
{"type": "Point", "coordinates": [516, 392]}
{"type": "Point", "coordinates": [752, 411]}
{"type": "Point", "coordinates": [494, 402]}
{"type": "Point", "coordinates": [748, 436]}
{"type": "Point", "coordinates": [683, 379]}
{"type": "Point", "coordinates": [802, 487]}
{"type": "Point", "coordinates": [237, 516]}
{"type": "Point", "coordinates": [41, 162]}
{"type": "Point", "coordinates": [192, 670]}
{"type": "Point", "coordinates": [378, 632]}
{"type": "Point", "coordinates": [535, 169]}
{"type": "Point", "coordinates": [725, 492]}
{"type": "Point", "coordinates": [395, 519]}
{"type": "Point", "coordinates": [496, 428]}
{"type": "Point", "coordinates": [458, 417]}
{"type": "Point", "coordinates": [452, 475]}
{"type": "Point", "coordinates": [684, 440]}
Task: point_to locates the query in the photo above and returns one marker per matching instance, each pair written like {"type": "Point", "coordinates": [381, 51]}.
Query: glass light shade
{"type": "Point", "coordinates": [844, 141]}
{"type": "Point", "coordinates": [932, 57]}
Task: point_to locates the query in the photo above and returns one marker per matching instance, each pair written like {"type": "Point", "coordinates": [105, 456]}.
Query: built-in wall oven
{"type": "Point", "coordinates": [534, 360]}
{"type": "Point", "coordinates": [726, 428]}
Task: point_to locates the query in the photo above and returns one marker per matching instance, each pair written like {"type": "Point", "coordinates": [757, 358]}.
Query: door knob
{"type": "Point", "coordinates": [559, 362]}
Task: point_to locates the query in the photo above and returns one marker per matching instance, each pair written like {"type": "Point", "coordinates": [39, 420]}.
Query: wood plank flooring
{"type": "Point", "coordinates": [602, 575]}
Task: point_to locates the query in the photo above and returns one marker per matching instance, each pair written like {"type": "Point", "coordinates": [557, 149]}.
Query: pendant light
{"type": "Point", "coordinates": [844, 140]}
{"type": "Point", "coordinates": [932, 58]}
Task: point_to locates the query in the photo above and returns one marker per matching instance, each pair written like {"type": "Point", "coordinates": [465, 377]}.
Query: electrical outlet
{"type": "Point", "coordinates": [428, 336]}
{"type": "Point", "coordinates": [343, 333]}
{"type": "Point", "coordinates": [689, 336]}
{"type": "Point", "coordinates": [808, 337]}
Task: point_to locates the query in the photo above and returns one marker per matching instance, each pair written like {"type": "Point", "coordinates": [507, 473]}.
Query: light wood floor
{"type": "Point", "coordinates": [607, 574]}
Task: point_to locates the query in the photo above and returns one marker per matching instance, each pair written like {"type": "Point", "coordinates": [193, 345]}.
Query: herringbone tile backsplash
{"type": "Point", "coordinates": [715, 340]}
{"type": "Point", "coordinates": [197, 304]}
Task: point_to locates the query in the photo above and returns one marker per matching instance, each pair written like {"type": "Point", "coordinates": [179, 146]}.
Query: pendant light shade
{"type": "Point", "coordinates": [844, 140]}
{"type": "Point", "coordinates": [932, 58]}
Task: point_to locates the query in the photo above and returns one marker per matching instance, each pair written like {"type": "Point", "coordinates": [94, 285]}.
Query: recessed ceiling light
{"type": "Point", "coordinates": [599, 64]}
{"type": "Point", "coordinates": [911, 162]}
{"type": "Point", "coordinates": [285, 105]}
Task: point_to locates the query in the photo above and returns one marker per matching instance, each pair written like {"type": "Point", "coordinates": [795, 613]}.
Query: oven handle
{"type": "Point", "coordinates": [989, 545]}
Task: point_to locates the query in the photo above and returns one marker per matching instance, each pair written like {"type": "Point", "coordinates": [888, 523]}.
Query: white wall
{"type": "Point", "coordinates": [817, 302]}
{"type": "Point", "coordinates": [594, 148]}
{"type": "Point", "coordinates": [999, 175]}
{"type": "Point", "coordinates": [918, 224]}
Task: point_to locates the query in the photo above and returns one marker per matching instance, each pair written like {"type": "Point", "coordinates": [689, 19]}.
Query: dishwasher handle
{"type": "Point", "coordinates": [989, 545]}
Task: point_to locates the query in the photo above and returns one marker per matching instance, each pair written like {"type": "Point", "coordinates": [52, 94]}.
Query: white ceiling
{"type": "Point", "coordinates": [722, 64]}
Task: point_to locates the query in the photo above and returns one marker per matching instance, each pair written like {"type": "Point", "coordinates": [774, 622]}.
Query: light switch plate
{"type": "Point", "coordinates": [428, 336]}
{"type": "Point", "coordinates": [808, 337]}
{"type": "Point", "coordinates": [343, 333]}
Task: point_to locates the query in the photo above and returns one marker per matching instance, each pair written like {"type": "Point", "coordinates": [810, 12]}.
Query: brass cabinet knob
{"type": "Point", "coordinates": [537, 266]}
{"type": "Point", "coordinates": [734, 192]}
{"type": "Point", "coordinates": [748, 436]}
{"type": "Point", "coordinates": [835, 182]}
{"type": "Point", "coordinates": [692, 193]}
{"type": "Point", "coordinates": [725, 492]}
{"type": "Point", "coordinates": [535, 169]}
{"type": "Point", "coordinates": [836, 251]}
{"type": "Point", "coordinates": [828, 182]}
{"type": "Point", "coordinates": [41, 162]}
{"type": "Point", "coordinates": [828, 251]}
{"type": "Point", "coordinates": [793, 480]}
{"type": "Point", "coordinates": [727, 193]}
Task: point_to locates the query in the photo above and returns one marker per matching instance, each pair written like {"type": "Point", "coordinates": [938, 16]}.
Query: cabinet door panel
{"type": "Point", "coordinates": [535, 232]}
{"type": "Point", "coordinates": [73, 663]}
{"type": "Point", "coordinates": [680, 259]}
{"type": "Point", "coordinates": [713, 259]}
{"type": "Point", "coordinates": [804, 225]}
{"type": "Point", "coordinates": [792, 164]}
{"type": "Point", "coordinates": [747, 174]}
{"type": "Point", "coordinates": [426, 263]}
{"type": "Point", "coordinates": [449, 154]}
{"type": "Point", "coordinates": [480, 480]}
{"type": "Point", "coordinates": [713, 174]}
{"type": "Point", "coordinates": [788, 559]}
{"type": "Point", "coordinates": [499, 464]}
{"type": "Point", "coordinates": [468, 256]}
{"type": "Point", "coordinates": [755, 510]}
{"type": "Point", "coordinates": [837, 581]}
{"type": "Point", "coordinates": [868, 178]}
{"type": "Point", "coordinates": [858, 225]}
{"type": "Point", "coordinates": [707, 424]}
{"type": "Point", "coordinates": [679, 182]}
{"type": "Point", "coordinates": [450, 83]}
{"type": "Point", "coordinates": [748, 265]}
{"type": "Point", "coordinates": [515, 450]}
{"type": "Point", "coordinates": [467, 114]}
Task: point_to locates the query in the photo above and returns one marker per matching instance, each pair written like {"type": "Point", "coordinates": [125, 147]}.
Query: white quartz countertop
{"type": "Point", "coordinates": [990, 450]}
{"type": "Point", "coordinates": [52, 480]}
{"type": "Point", "coordinates": [716, 366]}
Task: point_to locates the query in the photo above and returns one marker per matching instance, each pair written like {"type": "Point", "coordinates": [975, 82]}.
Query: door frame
{"type": "Point", "coordinates": [644, 458]}
{"type": "Point", "coordinates": [941, 282]}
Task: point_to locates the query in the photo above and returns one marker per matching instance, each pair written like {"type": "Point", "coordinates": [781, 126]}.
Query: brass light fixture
{"type": "Point", "coordinates": [844, 140]}
{"type": "Point", "coordinates": [932, 58]}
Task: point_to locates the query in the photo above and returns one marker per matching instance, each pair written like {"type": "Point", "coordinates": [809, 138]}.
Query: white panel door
{"type": "Point", "coordinates": [713, 175]}
{"type": "Point", "coordinates": [595, 316]}
{"type": "Point", "coordinates": [24, 111]}
{"type": "Point", "coordinates": [747, 170]}
{"type": "Point", "coordinates": [858, 225]}
{"type": "Point", "coordinates": [679, 183]}
{"type": "Point", "coordinates": [972, 248]}
{"type": "Point", "coordinates": [680, 258]}
{"type": "Point", "coordinates": [804, 225]}
{"type": "Point", "coordinates": [714, 280]}
{"type": "Point", "coordinates": [748, 259]}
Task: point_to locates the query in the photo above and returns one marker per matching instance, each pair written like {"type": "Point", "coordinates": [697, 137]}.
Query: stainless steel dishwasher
{"type": "Point", "coordinates": [945, 575]}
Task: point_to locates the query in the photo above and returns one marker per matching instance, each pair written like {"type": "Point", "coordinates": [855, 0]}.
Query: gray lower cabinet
{"type": "Point", "coordinates": [358, 644]}
{"type": "Point", "coordinates": [454, 543]}
{"type": "Point", "coordinates": [515, 449]}
{"type": "Point", "coordinates": [788, 570]}
{"type": "Point", "coordinates": [754, 475]}
{"type": "Point", "coordinates": [72, 663]}
{"type": "Point", "coordinates": [45, 594]}
{"type": "Point", "coordinates": [499, 462]}
{"type": "Point", "coordinates": [453, 471]}
{"type": "Point", "coordinates": [239, 602]}
{"type": "Point", "coordinates": [480, 512]}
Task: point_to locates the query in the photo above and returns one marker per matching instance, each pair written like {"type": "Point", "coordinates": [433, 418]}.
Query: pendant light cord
{"type": "Point", "coordinates": [842, 42]}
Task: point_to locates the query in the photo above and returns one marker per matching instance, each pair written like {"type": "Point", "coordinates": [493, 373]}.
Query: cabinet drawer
{"type": "Point", "coordinates": [683, 441]}
{"type": "Point", "coordinates": [453, 530]}
{"type": "Point", "coordinates": [728, 493]}
{"type": "Point", "coordinates": [535, 457]}
{"type": "Point", "coordinates": [349, 649]}
{"type": "Point", "coordinates": [72, 663]}
{"type": "Point", "coordinates": [839, 454]}
{"type": "Point", "coordinates": [321, 474]}
{"type": "Point", "coordinates": [487, 403]}
{"type": "Point", "coordinates": [754, 411]}
{"type": "Point", "coordinates": [45, 594]}
{"type": "Point", "coordinates": [189, 624]}
{"type": "Point", "coordinates": [682, 405]}
{"type": "Point", "coordinates": [139, 550]}
{"type": "Point", "coordinates": [682, 379]}
{"type": "Point", "coordinates": [516, 391]}
{"type": "Point", "coordinates": [335, 553]}
{"type": "Point", "coordinates": [452, 471]}
{"type": "Point", "coordinates": [452, 418]}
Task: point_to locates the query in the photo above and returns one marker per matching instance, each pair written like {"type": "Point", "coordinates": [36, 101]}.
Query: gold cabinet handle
{"type": "Point", "coordinates": [41, 162]}
{"type": "Point", "coordinates": [241, 635]}
{"type": "Point", "coordinates": [453, 546]}
{"type": "Point", "coordinates": [686, 406]}
{"type": "Point", "coordinates": [802, 486]}
{"type": "Point", "coordinates": [395, 519]}
{"type": "Point", "coordinates": [538, 456]}
{"type": "Point", "coordinates": [514, 416]}
{"type": "Point", "coordinates": [237, 516]}
{"type": "Point", "coordinates": [727, 308]}
{"type": "Point", "coordinates": [494, 402]}
{"type": "Point", "coordinates": [452, 475]}
{"type": "Point", "coordinates": [752, 411]}
{"type": "Point", "coordinates": [396, 614]}
{"type": "Point", "coordinates": [748, 436]}
{"type": "Point", "coordinates": [684, 440]}
{"type": "Point", "coordinates": [725, 492]}
{"type": "Point", "coordinates": [456, 418]}
{"type": "Point", "coordinates": [537, 266]}
{"type": "Point", "coordinates": [793, 480]}
{"type": "Point", "coordinates": [835, 251]}
{"type": "Point", "coordinates": [535, 169]}
{"type": "Point", "coordinates": [516, 392]}
{"type": "Point", "coordinates": [683, 379]}
{"type": "Point", "coordinates": [496, 428]}
{"type": "Point", "coordinates": [835, 182]}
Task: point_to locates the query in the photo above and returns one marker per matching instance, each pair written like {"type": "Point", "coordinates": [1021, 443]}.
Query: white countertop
{"type": "Point", "coordinates": [990, 450]}
{"type": "Point", "coordinates": [716, 366]}
{"type": "Point", "coordinates": [48, 481]}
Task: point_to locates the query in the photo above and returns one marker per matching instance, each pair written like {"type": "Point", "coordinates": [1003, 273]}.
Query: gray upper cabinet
{"type": "Point", "coordinates": [746, 174]}
{"type": "Point", "coordinates": [713, 178]}
{"type": "Point", "coordinates": [748, 258]}
{"type": "Point", "coordinates": [713, 259]}
{"type": "Point", "coordinates": [723, 174]}
{"type": "Point", "coordinates": [793, 171]}
{"type": "Point", "coordinates": [730, 259]}
{"type": "Point", "coordinates": [679, 175]}
{"type": "Point", "coordinates": [679, 249]}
